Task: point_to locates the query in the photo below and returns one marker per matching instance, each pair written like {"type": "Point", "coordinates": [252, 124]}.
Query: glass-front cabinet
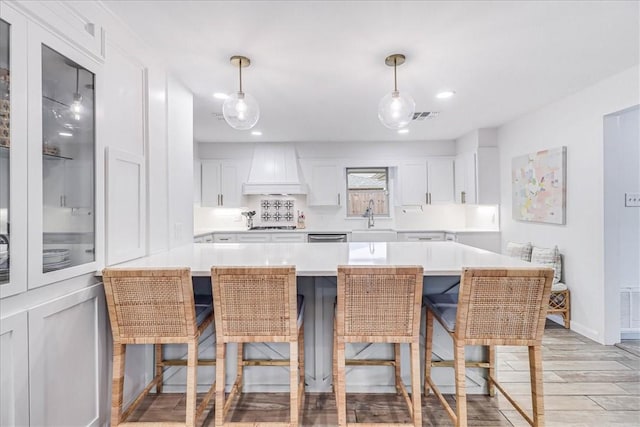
{"type": "Point", "coordinates": [5, 147]}
{"type": "Point", "coordinates": [48, 221]}
{"type": "Point", "coordinates": [68, 153]}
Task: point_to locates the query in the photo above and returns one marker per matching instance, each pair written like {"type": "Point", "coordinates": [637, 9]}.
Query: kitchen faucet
{"type": "Point", "coordinates": [368, 213]}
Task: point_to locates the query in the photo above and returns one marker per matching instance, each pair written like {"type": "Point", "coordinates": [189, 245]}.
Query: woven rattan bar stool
{"type": "Point", "coordinates": [378, 305]}
{"type": "Point", "coordinates": [155, 306]}
{"type": "Point", "coordinates": [494, 307]}
{"type": "Point", "coordinates": [258, 304]}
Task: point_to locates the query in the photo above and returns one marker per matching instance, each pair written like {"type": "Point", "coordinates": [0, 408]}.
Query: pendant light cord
{"type": "Point", "coordinates": [240, 72]}
{"type": "Point", "coordinates": [395, 78]}
{"type": "Point", "coordinates": [77, 79]}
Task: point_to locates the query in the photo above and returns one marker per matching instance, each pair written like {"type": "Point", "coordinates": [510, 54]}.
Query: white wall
{"type": "Point", "coordinates": [576, 122]}
{"type": "Point", "coordinates": [180, 138]}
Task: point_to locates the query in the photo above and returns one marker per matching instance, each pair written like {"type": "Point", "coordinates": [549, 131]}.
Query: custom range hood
{"type": "Point", "coordinates": [274, 170]}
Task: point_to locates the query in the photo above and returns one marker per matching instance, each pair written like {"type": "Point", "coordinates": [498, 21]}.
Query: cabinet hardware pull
{"type": "Point", "coordinates": [338, 199]}
{"type": "Point", "coordinates": [463, 197]}
{"type": "Point", "coordinates": [222, 200]}
{"type": "Point", "coordinates": [426, 198]}
{"type": "Point", "coordinates": [223, 239]}
{"type": "Point", "coordinates": [429, 198]}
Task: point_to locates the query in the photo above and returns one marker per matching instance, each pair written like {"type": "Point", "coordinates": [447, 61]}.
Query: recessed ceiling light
{"type": "Point", "coordinates": [445, 94]}
{"type": "Point", "coordinates": [256, 133]}
{"type": "Point", "coordinates": [65, 134]}
{"type": "Point", "coordinates": [220, 95]}
{"type": "Point", "coordinates": [403, 131]}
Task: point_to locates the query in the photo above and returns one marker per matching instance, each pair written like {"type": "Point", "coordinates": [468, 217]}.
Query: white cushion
{"type": "Point", "coordinates": [548, 258]}
{"type": "Point", "coordinates": [519, 250]}
{"type": "Point", "coordinates": [557, 287]}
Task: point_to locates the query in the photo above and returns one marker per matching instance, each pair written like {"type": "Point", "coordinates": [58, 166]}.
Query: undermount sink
{"type": "Point", "coordinates": [374, 235]}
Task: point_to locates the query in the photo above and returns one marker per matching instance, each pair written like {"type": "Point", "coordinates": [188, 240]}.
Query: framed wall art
{"type": "Point", "coordinates": [539, 186]}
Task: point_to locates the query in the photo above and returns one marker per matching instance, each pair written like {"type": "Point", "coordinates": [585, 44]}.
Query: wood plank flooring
{"type": "Point", "coordinates": [585, 384]}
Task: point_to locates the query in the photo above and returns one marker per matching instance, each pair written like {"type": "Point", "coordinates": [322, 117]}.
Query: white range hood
{"type": "Point", "coordinates": [274, 170]}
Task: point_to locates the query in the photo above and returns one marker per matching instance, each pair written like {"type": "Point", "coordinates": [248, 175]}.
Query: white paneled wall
{"type": "Point", "coordinates": [180, 137]}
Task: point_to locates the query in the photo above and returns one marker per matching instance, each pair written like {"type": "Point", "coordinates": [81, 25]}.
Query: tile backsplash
{"type": "Point", "coordinates": [278, 211]}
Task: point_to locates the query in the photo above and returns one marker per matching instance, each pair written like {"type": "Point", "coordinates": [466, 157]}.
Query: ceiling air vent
{"type": "Point", "coordinates": [425, 115]}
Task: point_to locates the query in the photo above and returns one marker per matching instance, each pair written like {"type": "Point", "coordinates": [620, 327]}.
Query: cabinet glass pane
{"type": "Point", "coordinates": [68, 144]}
{"type": "Point", "coordinates": [5, 144]}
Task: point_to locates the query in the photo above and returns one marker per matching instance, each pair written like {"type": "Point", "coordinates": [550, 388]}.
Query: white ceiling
{"type": "Point", "coordinates": [318, 67]}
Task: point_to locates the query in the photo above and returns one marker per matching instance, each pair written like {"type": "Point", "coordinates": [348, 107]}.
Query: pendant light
{"type": "Point", "coordinates": [395, 111]}
{"type": "Point", "coordinates": [76, 105]}
{"type": "Point", "coordinates": [241, 110]}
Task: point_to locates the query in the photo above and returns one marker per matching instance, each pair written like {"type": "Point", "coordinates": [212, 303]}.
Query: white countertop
{"type": "Point", "coordinates": [202, 232]}
{"type": "Point", "coordinates": [322, 259]}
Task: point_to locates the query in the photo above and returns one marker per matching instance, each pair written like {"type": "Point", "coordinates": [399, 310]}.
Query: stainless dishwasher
{"type": "Point", "coordinates": [326, 238]}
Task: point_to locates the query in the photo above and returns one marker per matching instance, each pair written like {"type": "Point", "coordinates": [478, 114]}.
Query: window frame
{"type": "Point", "coordinates": [386, 191]}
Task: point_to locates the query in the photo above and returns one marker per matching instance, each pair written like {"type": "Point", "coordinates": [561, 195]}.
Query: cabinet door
{"type": "Point", "coordinates": [465, 178]}
{"type": "Point", "coordinates": [413, 183]}
{"type": "Point", "coordinates": [253, 237]}
{"type": "Point", "coordinates": [289, 237]}
{"type": "Point", "coordinates": [211, 176]}
{"type": "Point", "coordinates": [13, 153]}
{"type": "Point", "coordinates": [14, 370]}
{"type": "Point", "coordinates": [61, 120]}
{"type": "Point", "coordinates": [325, 187]}
{"type": "Point", "coordinates": [233, 174]}
{"type": "Point", "coordinates": [440, 180]}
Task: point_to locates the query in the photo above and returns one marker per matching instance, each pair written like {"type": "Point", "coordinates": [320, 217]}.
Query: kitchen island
{"type": "Point", "coordinates": [316, 269]}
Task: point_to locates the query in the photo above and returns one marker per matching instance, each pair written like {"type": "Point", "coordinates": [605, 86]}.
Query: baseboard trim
{"type": "Point", "coordinates": [586, 332]}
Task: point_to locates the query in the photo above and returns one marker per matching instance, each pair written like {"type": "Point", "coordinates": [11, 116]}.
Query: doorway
{"type": "Point", "coordinates": [622, 226]}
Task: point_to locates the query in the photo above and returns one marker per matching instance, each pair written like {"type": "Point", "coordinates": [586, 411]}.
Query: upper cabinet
{"type": "Point", "coordinates": [478, 176]}
{"type": "Point", "coordinates": [221, 182]}
{"type": "Point", "coordinates": [326, 182]}
{"type": "Point", "coordinates": [429, 181]}
{"type": "Point", "coordinates": [465, 173]}
{"type": "Point", "coordinates": [47, 156]}
{"type": "Point", "coordinates": [13, 152]}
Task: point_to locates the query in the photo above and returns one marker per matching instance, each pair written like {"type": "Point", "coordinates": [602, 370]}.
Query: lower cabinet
{"type": "Point", "coordinates": [55, 362]}
{"type": "Point", "coordinates": [421, 236]}
{"type": "Point", "coordinates": [14, 370]}
{"type": "Point", "coordinates": [251, 237]}
{"type": "Point", "coordinates": [68, 360]}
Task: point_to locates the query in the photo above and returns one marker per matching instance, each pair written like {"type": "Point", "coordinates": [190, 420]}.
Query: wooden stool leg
{"type": "Point", "coordinates": [301, 365]}
{"type": "Point", "coordinates": [567, 312]}
{"type": "Point", "coordinates": [220, 383]}
{"type": "Point", "coordinates": [461, 390]}
{"type": "Point", "coordinates": [491, 353]}
{"type": "Point", "coordinates": [537, 393]}
{"type": "Point", "coordinates": [159, 367]}
{"type": "Point", "coordinates": [334, 366]}
{"type": "Point", "coordinates": [192, 383]}
{"type": "Point", "coordinates": [240, 368]}
{"type": "Point", "coordinates": [117, 385]}
{"type": "Point", "coordinates": [341, 395]}
{"type": "Point", "coordinates": [416, 396]}
{"type": "Point", "coordinates": [396, 353]}
{"type": "Point", "coordinates": [294, 378]}
{"type": "Point", "coordinates": [428, 349]}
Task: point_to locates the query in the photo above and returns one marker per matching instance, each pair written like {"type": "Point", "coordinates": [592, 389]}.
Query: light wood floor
{"type": "Point", "coordinates": [585, 384]}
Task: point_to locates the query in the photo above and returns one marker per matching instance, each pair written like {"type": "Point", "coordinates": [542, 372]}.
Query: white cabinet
{"type": "Point", "coordinates": [465, 178]}
{"type": "Point", "coordinates": [478, 176]}
{"type": "Point", "coordinates": [14, 370]}
{"type": "Point", "coordinates": [431, 236]}
{"type": "Point", "coordinates": [289, 237]}
{"type": "Point", "coordinates": [326, 182]}
{"type": "Point", "coordinates": [426, 181]}
{"type": "Point", "coordinates": [221, 182]}
{"type": "Point", "coordinates": [251, 237]}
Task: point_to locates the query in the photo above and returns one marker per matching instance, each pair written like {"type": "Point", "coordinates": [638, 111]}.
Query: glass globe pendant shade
{"type": "Point", "coordinates": [241, 111]}
{"type": "Point", "coordinates": [395, 111]}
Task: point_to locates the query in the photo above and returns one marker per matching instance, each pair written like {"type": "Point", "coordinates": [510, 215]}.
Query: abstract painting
{"type": "Point", "coordinates": [539, 186]}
